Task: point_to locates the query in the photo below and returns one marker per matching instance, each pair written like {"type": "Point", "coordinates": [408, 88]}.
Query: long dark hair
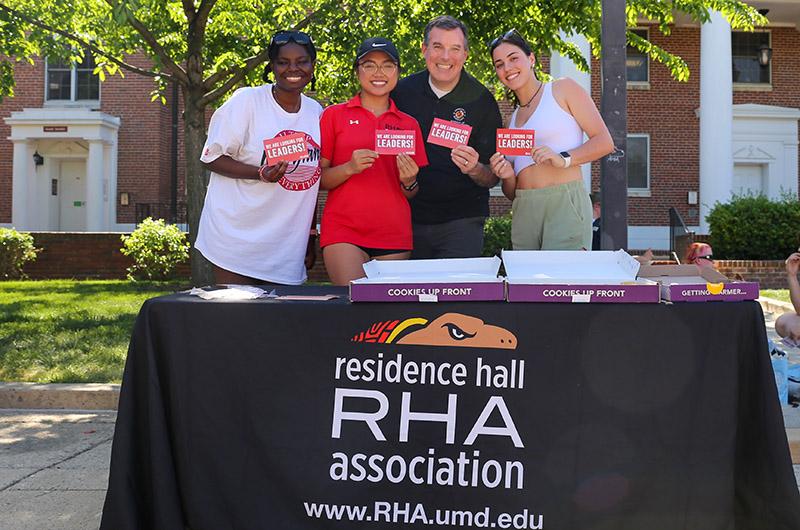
{"type": "Point", "coordinates": [511, 36]}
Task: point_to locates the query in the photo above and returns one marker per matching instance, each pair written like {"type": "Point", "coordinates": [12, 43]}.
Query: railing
{"type": "Point", "coordinates": [680, 236]}
{"type": "Point", "coordinates": [161, 210]}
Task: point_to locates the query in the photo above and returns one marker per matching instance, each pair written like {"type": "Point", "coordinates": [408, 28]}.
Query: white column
{"type": "Point", "coordinates": [112, 184]}
{"type": "Point", "coordinates": [95, 206]}
{"type": "Point", "coordinates": [19, 185]}
{"type": "Point", "coordinates": [562, 66]}
{"type": "Point", "coordinates": [716, 115]}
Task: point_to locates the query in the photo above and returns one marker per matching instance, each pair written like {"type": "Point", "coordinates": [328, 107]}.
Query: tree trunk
{"type": "Point", "coordinates": [196, 180]}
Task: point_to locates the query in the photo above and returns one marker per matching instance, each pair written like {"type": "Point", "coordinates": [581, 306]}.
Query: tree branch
{"type": "Point", "coordinates": [197, 26]}
{"type": "Point", "coordinates": [84, 43]}
{"type": "Point", "coordinates": [238, 72]}
{"type": "Point", "coordinates": [178, 72]}
{"type": "Point", "coordinates": [188, 9]}
{"type": "Point", "coordinates": [205, 9]}
{"type": "Point", "coordinates": [247, 65]}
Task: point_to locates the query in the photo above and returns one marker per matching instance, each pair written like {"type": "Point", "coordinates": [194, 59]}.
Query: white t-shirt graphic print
{"type": "Point", "coordinates": [250, 227]}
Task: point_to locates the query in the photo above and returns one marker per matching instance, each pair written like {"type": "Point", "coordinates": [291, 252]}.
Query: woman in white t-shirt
{"type": "Point", "coordinates": [255, 222]}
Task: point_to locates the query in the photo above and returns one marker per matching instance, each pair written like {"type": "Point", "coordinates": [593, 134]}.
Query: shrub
{"type": "Point", "coordinates": [497, 235]}
{"type": "Point", "coordinates": [755, 227]}
{"type": "Point", "coordinates": [156, 248]}
{"type": "Point", "coordinates": [16, 249]}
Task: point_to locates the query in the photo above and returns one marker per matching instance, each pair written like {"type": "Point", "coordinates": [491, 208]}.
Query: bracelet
{"type": "Point", "coordinates": [411, 186]}
{"type": "Point", "coordinates": [261, 175]}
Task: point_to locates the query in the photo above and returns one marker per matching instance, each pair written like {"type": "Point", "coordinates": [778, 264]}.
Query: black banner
{"type": "Point", "coordinates": [485, 415]}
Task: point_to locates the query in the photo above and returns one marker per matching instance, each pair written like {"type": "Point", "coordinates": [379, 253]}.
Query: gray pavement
{"type": "Point", "coordinates": [53, 468]}
{"type": "Point", "coordinates": [54, 463]}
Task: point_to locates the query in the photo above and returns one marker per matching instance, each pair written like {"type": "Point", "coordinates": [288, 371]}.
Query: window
{"type": "Point", "coordinates": [745, 50]}
{"type": "Point", "coordinates": [637, 63]}
{"type": "Point", "coordinates": [638, 162]}
{"type": "Point", "coordinates": [72, 82]}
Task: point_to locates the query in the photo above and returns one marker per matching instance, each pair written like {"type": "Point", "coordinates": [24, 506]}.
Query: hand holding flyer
{"type": "Point", "coordinates": [392, 142]}
{"type": "Point", "coordinates": [449, 133]}
{"type": "Point", "coordinates": [515, 142]}
{"type": "Point", "coordinates": [288, 148]}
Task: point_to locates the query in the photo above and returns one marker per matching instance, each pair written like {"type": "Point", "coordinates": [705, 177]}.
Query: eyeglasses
{"type": "Point", "coordinates": [284, 37]}
{"type": "Point", "coordinates": [511, 34]}
{"type": "Point", "coordinates": [370, 67]}
{"type": "Point", "coordinates": [709, 257]}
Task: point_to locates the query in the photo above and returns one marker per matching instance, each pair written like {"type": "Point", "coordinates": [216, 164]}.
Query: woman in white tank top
{"type": "Point", "coordinates": [551, 208]}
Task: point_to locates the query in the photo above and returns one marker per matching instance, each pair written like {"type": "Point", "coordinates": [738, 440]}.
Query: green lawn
{"type": "Point", "coordinates": [65, 331]}
{"type": "Point", "coordinates": [776, 294]}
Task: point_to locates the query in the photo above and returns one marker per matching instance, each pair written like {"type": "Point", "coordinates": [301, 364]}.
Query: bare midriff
{"type": "Point", "coordinates": [544, 176]}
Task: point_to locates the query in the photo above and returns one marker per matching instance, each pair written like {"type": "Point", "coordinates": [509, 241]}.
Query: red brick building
{"type": "Point", "coordinates": [79, 155]}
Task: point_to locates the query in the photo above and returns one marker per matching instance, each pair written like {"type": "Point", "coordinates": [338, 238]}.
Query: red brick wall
{"type": "Point", "coordinates": [145, 135]}
{"type": "Point", "coordinates": [97, 255]}
{"type": "Point", "coordinates": [29, 92]}
{"type": "Point", "coordinates": [82, 255]}
{"type": "Point", "coordinates": [770, 274]}
{"type": "Point", "coordinates": [667, 113]}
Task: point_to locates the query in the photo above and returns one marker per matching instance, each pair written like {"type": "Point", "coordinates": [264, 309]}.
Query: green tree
{"type": "Point", "coordinates": [211, 47]}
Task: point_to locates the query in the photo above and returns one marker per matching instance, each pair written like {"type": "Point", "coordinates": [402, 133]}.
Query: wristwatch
{"type": "Point", "coordinates": [567, 158]}
{"type": "Point", "coordinates": [410, 187]}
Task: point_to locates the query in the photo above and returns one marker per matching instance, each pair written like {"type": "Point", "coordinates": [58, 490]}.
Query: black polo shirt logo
{"type": "Point", "coordinates": [459, 115]}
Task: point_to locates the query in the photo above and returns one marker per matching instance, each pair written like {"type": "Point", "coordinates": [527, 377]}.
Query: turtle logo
{"type": "Point", "coordinates": [449, 329]}
{"type": "Point", "coordinates": [459, 115]}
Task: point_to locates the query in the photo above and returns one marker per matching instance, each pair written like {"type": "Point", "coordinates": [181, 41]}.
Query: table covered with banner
{"type": "Point", "coordinates": [310, 414]}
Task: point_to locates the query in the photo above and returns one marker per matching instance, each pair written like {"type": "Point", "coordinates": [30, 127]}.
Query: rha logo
{"type": "Point", "coordinates": [449, 329]}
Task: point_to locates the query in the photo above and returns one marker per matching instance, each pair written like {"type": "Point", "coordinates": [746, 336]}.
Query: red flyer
{"type": "Point", "coordinates": [391, 142]}
{"type": "Point", "coordinates": [286, 148]}
{"type": "Point", "coordinates": [515, 142]}
{"type": "Point", "coordinates": [448, 133]}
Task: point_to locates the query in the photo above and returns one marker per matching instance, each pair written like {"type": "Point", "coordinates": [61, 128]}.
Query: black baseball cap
{"type": "Point", "coordinates": [378, 44]}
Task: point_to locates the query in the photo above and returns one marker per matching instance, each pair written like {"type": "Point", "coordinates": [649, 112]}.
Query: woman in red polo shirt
{"type": "Point", "coordinates": [367, 215]}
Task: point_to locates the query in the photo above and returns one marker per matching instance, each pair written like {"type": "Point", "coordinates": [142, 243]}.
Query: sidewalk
{"type": "Point", "coordinates": [53, 468]}
{"type": "Point", "coordinates": [54, 463]}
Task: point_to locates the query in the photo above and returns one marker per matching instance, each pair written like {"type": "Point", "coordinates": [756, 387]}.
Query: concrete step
{"type": "Point", "coordinates": [89, 396]}
{"type": "Point", "coordinates": [793, 435]}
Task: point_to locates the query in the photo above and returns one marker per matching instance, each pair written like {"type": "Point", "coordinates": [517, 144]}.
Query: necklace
{"type": "Point", "coordinates": [526, 105]}
{"type": "Point", "coordinates": [295, 106]}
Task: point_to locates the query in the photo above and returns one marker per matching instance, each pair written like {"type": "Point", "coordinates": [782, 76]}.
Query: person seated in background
{"type": "Point", "coordinates": [646, 258]}
{"type": "Point", "coordinates": [788, 324]}
{"type": "Point", "coordinates": [597, 221]}
{"type": "Point", "coordinates": [700, 254]}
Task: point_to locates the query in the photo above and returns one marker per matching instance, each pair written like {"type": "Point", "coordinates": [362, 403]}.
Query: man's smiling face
{"type": "Point", "coordinates": [445, 54]}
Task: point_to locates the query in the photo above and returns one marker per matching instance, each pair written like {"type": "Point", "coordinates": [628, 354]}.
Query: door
{"type": "Point", "coordinates": [72, 177]}
{"type": "Point", "coordinates": [748, 179]}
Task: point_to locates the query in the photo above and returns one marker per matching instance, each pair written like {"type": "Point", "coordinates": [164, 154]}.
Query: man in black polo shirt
{"type": "Point", "coordinates": [452, 204]}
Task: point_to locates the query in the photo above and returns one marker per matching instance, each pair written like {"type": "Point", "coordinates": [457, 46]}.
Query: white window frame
{"type": "Point", "coordinates": [641, 85]}
{"type": "Point", "coordinates": [642, 192]}
{"type": "Point", "coordinates": [754, 87]}
{"type": "Point", "coordinates": [73, 88]}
